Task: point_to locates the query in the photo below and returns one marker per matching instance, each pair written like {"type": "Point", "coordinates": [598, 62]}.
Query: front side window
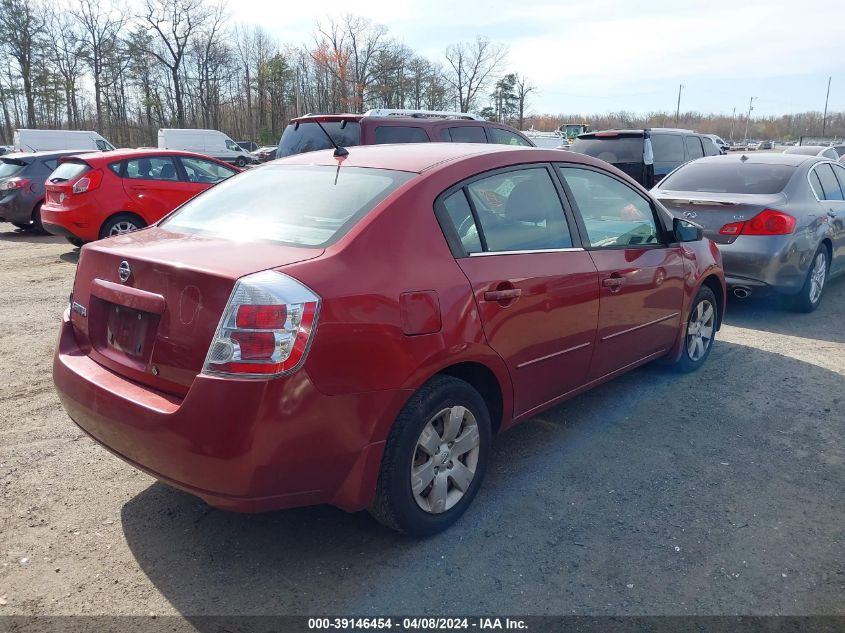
{"type": "Point", "coordinates": [667, 148]}
{"type": "Point", "coordinates": [830, 185]}
{"type": "Point", "coordinates": [400, 134]}
{"type": "Point", "coordinates": [152, 168]}
{"type": "Point", "coordinates": [518, 211]}
{"type": "Point", "coordinates": [318, 206]}
{"type": "Point", "coordinates": [205, 171]}
{"type": "Point", "coordinates": [232, 146]}
{"type": "Point", "coordinates": [465, 134]}
{"type": "Point", "coordinates": [694, 148]}
{"type": "Point", "coordinates": [506, 137]}
{"type": "Point", "coordinates": [614, 214]}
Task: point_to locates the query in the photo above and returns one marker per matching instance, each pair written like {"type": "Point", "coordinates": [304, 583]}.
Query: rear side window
{"type": "Point", "coordinates": [668, 148]}
{"type": "Point", "coordinates": [694, 148]}
{"type": "Point", "coordinates": [612, 149]}
{"type": "Point", "coordinates": [115, 167]}
{"type": "Point", "coordinates": [51, 163]}
{"type": "Point", "coordinates": [68, 170]}
{"type": "Point", "coordinates": [518, 211]}
{"type": "Point", "coordinates": [840, 175]}
{"type": "Point", "coordinates": [152, 168]}
{"type": "Point", "coordinates": [9, 168]}
{"type": "Point", "coordinates": [460, 215]}
{"type": "Point", "coordinates": [614, 214]}
{"type": "Point", "coordinates": [505, 137]}
{"type": "Point", "coordinates": [308, 137]}
{"type": "Point", "coordinates": [830, 185]}
{"type": "Point", "coordinates": [729, 176]}
{"type": "Point", "coordinates": [465, 134]}
{"type": "Point", "coordinates": [400, 134]}
{"type": "Point", "coordinates": [320, 203]}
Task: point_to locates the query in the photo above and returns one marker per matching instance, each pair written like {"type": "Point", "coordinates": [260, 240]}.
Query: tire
{"type": "Point", "coordinates": [702, 320]}
{"type": "Point", "coordinates": [812, 291]}
{"type": "Point", "coordinates": [22, 226]}
{"type": "Point", "coordinates": [240, 162]}
{"type": "Point", "coordinates": [36, 221]}
{"type": "Point", "coordinates": [424, 420]}
{"type": "Point", "coordinates": [121, 223]}
{"type": "Point", "coordinates": [75, 241]}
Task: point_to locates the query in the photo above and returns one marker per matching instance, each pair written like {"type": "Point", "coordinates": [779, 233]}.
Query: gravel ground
{"type": "Point", "coordinates": [721, 492]}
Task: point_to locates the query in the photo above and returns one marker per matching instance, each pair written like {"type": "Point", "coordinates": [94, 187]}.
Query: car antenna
{"type": "Point", "coordinates": [338, 150]}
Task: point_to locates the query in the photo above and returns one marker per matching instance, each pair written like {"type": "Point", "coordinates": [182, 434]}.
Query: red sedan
{"type": "Point", "coordinates": [96, 195]}
{"type": "Point", "coordinates": [354, 330]}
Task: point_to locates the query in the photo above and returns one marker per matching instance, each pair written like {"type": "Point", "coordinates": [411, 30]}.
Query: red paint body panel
{"type": "Point", "coordinates": [317, 435]}
{"type": "Point", "coordinates": [83, 215]}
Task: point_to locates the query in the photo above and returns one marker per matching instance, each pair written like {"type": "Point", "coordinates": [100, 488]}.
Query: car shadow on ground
{"type": "Point", "coordinates": [71, 257]}
{"type": "Point", "coordinates": [773, 314]}
{"type": "Point", "coordinates": [26, 236]}
{"type": "Point", "coordinates": [628, 499]}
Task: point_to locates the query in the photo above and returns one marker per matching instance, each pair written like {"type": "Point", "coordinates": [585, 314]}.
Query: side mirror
{"type": "Point", "coordinates": [686, 231]}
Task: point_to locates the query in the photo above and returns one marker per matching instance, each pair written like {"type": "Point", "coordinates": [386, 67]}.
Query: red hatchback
{"type": "Point", "coordinates": [353, 331]}
{"type": "Point", "coordinates": [92, 196]}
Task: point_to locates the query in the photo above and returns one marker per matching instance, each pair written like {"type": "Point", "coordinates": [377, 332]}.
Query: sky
{"type": "Point", "coordinates": [596, 56]}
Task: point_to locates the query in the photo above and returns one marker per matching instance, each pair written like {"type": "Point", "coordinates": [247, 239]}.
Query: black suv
{"type": "Point", "coordinates": [628, 149]}
{"type": "Point", "coordinates": [377, 127]}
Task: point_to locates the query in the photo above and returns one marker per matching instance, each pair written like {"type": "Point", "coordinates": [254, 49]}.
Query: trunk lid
{"type": "Point", "coordinates": [715, 210]}
{"type": "Point", "coordinates": [155, 326]}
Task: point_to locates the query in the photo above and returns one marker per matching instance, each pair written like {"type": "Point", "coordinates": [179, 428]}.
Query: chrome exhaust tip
{"type": "Point", "coordinates": [741, 292]}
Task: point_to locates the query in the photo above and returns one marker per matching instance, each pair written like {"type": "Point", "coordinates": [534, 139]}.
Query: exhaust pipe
{"type": "Point", "coordinates": [742, 292]}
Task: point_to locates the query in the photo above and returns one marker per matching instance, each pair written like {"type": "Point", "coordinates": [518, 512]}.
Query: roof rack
{"type": "Point", "coordinates": [422, 114]}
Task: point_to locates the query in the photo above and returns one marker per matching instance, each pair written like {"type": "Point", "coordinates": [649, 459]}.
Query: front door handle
{"type": "Point", "coordinates": [832, 213]}
{"type": "Point", "coordinates": [614, 282]}
{"type": "Point", "coordinates": [508, 294]}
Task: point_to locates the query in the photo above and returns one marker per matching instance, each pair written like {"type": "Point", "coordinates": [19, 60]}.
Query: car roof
{"type": "Point", "coordinates": [763, 159]}
{"type": "Point", "coordinates": [419, 157]}
{"type": "Point", "coordinates": [123, 153]}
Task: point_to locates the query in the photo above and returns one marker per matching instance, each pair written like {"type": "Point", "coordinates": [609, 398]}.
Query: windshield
{"type": "Point", "coordinates": [612, 149]}
{"type": "Point", "coordinates": [729, 177]}
{"type": "Point", "coordinates": [10, 167]}
{"type": "Point", "coordinates": [308, 137]}
{"type": "Point", "coordinates": [320, 204]}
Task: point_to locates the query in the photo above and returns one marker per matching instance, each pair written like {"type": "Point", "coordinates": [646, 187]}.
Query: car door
{"type": "Point", "coordinates": [832, 180]}
{"type": "Point", "coordinates": [536, 289]}
{"type": "Point", "coordinates": [641, 277]}
{"type": "Point", "coordinates": [153, 186]}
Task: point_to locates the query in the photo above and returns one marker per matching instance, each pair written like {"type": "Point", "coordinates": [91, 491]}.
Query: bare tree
{"type": "Point", "coordinates": [471, 67]}
{"type": "Point", "coordinates": [67, 57]}
{"type": "Point", "coordinates": [522, 88]}
{"type": "Point", "coordinates": [22, 30]}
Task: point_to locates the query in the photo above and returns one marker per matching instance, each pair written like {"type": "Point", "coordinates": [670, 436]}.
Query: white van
{"type": "Point", "coordinates": [43, 140]}
{"type": "Point", "coordinates": [209, 142]}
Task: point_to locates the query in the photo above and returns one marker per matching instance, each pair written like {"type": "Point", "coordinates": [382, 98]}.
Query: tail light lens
{"type": "Point", "coordinates": [767, 222]}
{"type": "Point", "coordinates": [89, 181]}
{"type": "Point", "coordinates": [15, 183]}
{"type": "Point", "coordinates": [265, 329]}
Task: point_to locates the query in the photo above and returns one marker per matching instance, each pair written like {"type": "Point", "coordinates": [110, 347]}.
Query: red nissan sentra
{"type": "Point", "coordinates": [354, 330]}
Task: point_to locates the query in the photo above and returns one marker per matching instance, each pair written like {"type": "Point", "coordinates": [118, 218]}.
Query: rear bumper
{"type": "Point", "coordinates": [239, 444]}
{"type": "Point", "coordinates": [762, 263]}
{"type": "Point", "coordinates": [75, 222]}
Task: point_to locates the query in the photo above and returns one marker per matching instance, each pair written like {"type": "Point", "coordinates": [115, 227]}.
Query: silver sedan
{"type": "Point", "coordinates": [779, 219]}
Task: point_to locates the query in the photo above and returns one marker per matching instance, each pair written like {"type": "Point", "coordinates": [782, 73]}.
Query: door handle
{"type": "Point", "coordinates": [503, 295]}
{"type": "Point", "coordinates": [614, 283]}
{"type": "Point", "coordinates": [831, 213]}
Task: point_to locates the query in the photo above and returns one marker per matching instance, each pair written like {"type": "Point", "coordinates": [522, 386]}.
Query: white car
{"type": "Point", "coordinates": [212, 143]}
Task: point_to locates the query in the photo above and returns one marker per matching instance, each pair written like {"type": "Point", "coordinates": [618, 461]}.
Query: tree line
{"type": "Point", "coordinates": [90, 64]}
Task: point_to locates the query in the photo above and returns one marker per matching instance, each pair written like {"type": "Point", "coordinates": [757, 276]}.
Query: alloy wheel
{"type": "Point", "coordinates": [120, 228]}
{"type": "Point", "coordinates": [817, 277]}
{"type": "Point", "coordinates": [700, 330]}
{"type": "Point", "coordinates": [445, 459]}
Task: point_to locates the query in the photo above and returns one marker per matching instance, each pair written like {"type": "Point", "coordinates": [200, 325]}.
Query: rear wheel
{"type": "Point", "coordinates": [811, 293]}
{"type": "Point", "coordinates": [120, 224]}
{"type": "Point", "coordinates": [434, 459]}
{"type": "Point", "coordinates": [36, 221]}
{"type": "Point", "coordinates": [700, 331]}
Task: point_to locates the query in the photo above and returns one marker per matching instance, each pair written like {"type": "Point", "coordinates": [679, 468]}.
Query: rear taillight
{"type": "Point", "coordinates": [90, 181]}
{"type": "Point", "coordinates": [266, 327]}
{"type": "Point", "coordinates": [767, 222]}
{"type": "Point", "coordinates": [16, 183]}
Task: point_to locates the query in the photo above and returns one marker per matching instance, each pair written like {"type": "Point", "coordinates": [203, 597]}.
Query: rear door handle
{"type": "Point", "coordinates": [502, 295]}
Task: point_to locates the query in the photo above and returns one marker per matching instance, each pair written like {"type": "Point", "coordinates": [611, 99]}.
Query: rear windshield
{"type": "Point", "coordinates": [68, 171]}
{"type": "Point", "coordinates": [300, 205]}
{"type": "Point", "coordinates": [10, 167]}
{"type": "Point", "coordinates": [729, 177]}
{"type": "Point", "coordinates": [308, 137]}
{"type": "Point", "coordinates": [612, 149]}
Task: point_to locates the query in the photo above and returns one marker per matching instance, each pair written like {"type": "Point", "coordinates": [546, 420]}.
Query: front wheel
{"type": "Point", "coordinates": [241, 162]}
{"type": "Point", "coordinates": [435, 458]}
{"type": "Point", "coordinates": [700, 332]}
{"type": "Point", "coordinates": [811, 292]}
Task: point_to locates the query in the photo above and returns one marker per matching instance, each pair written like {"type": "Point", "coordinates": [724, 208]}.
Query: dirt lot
{"type": "Point", "coordinates": [721, 492]}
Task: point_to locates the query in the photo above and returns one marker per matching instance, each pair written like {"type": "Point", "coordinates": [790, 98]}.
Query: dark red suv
{"type": "Point", "coordinates": [381, 127]}
{"type": "Point", "coordinates": [359, 339]}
